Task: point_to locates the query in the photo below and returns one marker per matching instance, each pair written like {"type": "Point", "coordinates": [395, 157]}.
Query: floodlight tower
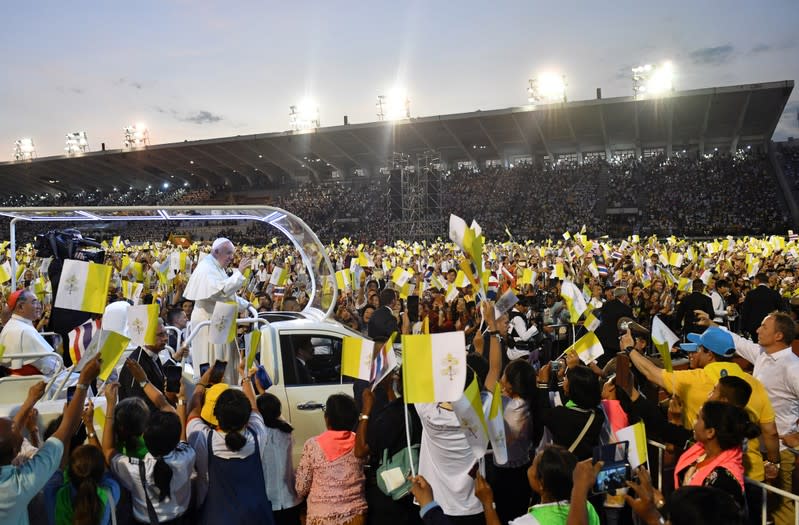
{"type": "Point", "coordinates": [547, 88]}
{"type": "Point", "coordinates": [304, 115]}
{"type": "Point", "coordinates": [652, 80]}
{"type": "Point", "coordinates": [76, 143]}
{"type": "Point", "coordinates": [393, 106]}
{"type": "Point", "coordinates": [136, 136]}
{"type": "Point", "coordinates": [24, 149]}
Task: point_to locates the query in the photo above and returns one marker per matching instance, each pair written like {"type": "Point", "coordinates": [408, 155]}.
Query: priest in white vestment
{"type": "Point", "coordinates": [209, 283]}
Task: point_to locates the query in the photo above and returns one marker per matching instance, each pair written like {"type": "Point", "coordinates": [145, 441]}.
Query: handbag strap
{"type": "Point", "coordinates": [583, 431]}
{"type": "Point", "coordinates": [150, 509]}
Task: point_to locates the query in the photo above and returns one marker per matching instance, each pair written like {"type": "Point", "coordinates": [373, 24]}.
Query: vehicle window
{"type": "Point", "coordinates": [311, 360]}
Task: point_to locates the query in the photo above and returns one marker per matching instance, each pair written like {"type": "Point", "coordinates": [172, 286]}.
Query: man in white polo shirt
{"type": "Point", "coordinates": [777, 367]}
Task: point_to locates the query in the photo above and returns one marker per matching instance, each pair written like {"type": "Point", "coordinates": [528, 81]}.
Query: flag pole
{"type": "Point", "coordinates": [407, 420]}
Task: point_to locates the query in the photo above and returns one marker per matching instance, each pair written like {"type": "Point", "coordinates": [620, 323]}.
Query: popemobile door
{"type": "Point", "coordinates": [311, 373]}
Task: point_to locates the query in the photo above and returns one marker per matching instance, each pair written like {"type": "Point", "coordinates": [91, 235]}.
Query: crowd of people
{"type": "Point", "coordinates": [224, 452]}
{"type": "Point", "coordinates": [683, 195]}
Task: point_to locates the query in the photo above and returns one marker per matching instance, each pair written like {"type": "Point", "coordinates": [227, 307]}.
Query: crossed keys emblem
{"type": "Point", "coordinates": [138, 326]}
{"type": "Point", "coordinates": [221, 323]}
{"type": "Point", "coordinates": [72, 284]}
{"type": "Point", "coordinates": [468, 427]}
{"type": "Point", "coordinates": [449, 363]}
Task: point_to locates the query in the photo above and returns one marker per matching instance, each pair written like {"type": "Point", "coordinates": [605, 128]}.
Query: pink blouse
{"type": "Point", "coordinates": [335, 489]}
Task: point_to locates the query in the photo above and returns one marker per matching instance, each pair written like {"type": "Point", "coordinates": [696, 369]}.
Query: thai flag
{"type": "Point", "coordinates": [384, 363]}
{"type": "Point", "coordinates": [603, 270]}
{"type": "Point", "coordinates": [80, 337]}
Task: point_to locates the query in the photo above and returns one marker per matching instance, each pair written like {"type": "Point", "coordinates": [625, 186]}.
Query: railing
{"type": "Point", "coordinates": [765, 488]}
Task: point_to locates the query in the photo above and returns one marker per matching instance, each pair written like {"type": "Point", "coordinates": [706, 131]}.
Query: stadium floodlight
{"type": "Point", "coordinates": [547, 88]}
{"type": "Point", "coordinates": [136, 136]}
{"type": "Point", "coordinates": [77, 142]}
{"type": "Point", "coordinates": [653, 80]}
{"type": "Point", "coordinates": [394, 106]}
{"type": "Point", "coordinates": [24, 149]}
{"type": "Point", "coordinates": [304, 115]}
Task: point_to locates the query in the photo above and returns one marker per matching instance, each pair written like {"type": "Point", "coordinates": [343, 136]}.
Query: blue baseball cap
{"type": "Point", "coordinates": [689, 347]}
{"type": "Point", "coordinates": [718, 341]}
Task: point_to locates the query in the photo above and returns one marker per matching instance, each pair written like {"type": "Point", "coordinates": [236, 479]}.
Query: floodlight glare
{"type": "Point", "coordinates": [304, 115]}
{"type": "Point", "coordinates": [547, 88]}
{"type": "Point", "coordinates": [653, 80]}
{"type": "Point", "coordinates": [136, 136]}
{"type": "Point", "coordinates": [394, 106]}
{"type": "Point", "coordinates": [77, 142]}
{"type": "Point", "coordinates": [24, 149]}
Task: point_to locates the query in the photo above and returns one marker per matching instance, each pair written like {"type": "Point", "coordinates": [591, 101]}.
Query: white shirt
{"type": "Point", "coordinates": [779, 373]}
{"type": "Point", "coordinates": [719, 307]}
{"type": "Point", "coordinates": [445, 459]}
{"type": "Point", "coordinates": [197, 432]}
{"type": "Point", "coordinates": [19, 336]}
{"type": "Point", "coordinates": [279, 469]}
{"type": "Point", "coordinates": [180, 460]}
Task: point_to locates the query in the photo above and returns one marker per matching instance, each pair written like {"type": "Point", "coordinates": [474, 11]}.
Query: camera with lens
{"type": "Point", "coordinates": [68, 244]}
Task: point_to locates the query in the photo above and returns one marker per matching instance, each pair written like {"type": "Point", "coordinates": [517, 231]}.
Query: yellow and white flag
{"type": "Point", "coordinates": [110, 345]}
{"type": "Point", "coordinates": [223, 323]}
{"type": "Point", "coordinates": [588, 348]}
{"type": "Point", "coordinates": [400, 276]}
{"type": "Point", "coordinates": [495, 421]}
{"type": "Point", "coordinates": [132, 290]}
{"type": "Point", "coordinates": [83, 286]}
{"type": "Point", "coordinates": [5, 272]}
{"type": "Point", "coordinates": [252, 345]}
{"type": "Point", "coordinates": [574, 299]}
{"type": "Point", "coordinates": [471, 416]}
{"type": "Point", "coordinates": [279, 276]}
{"type": "Point", "coordinates": [685, 284]}
{"type": "Point", "coordinates": [452, 293]}
{"type": "Point", "coordinates": [664, 339]}
{"type": "Point", "coordinates": [434, 367]}
{"type": "Point", "coordinates": [591, 322]}
{"type": "Point", "coordinates": [143, 324]}
{"type": "Point", "coordinates": [356, 357]}
{"type": "Point", "coordinates": [344, 279]}
{"type": "Point", "coordinates": [635, 436]}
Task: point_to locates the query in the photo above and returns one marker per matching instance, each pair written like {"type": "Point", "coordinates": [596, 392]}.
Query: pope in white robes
{"type": "Point", "coordinates": [208, 284]}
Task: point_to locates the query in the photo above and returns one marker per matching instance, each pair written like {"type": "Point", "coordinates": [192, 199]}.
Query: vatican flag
{"type": "Point", "coordinates": [434, 367]}
{"type": "Point", "coordinates": [469, 409]}
{"type": "Point", "coordinates": [495, 422]}
{"type": "Point", "coordinates": [356, 357]}
{"type": "Point", "coordinates": [574, 300]}
{"type": "Point", "coordinates": [143, 324]}
{"type": "Point", "coordinates": [83, 286]}
{"type": "Point", "coordinates": [223, 323]}
{"type": "Point", "coordinates": [5, 272]}
{"type": "Point", "coordinates": [279, 276]}
{"type": "Point", "coordinates": [588, 348]}
{"type": "Point", "coordinates": [252, 345]}
{"type": "Point", "coordinates": [664, 339]}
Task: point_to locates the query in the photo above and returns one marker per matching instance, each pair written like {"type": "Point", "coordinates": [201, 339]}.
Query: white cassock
{"type": "Point", "coordinates": [208, 284]}
{"type": "Point", "coordinates": [19, 336]}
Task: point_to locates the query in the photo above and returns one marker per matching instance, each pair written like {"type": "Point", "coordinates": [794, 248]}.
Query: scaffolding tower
{"type": "Point", "coordinates": [415, 196]}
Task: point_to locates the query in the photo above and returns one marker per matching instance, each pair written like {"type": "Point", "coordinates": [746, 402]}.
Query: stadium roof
{"type": "Point", "coordinates": [725, 118]}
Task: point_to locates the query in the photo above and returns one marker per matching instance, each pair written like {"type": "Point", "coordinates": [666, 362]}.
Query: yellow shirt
{"type": "Point", "coordinates": [693, 387]}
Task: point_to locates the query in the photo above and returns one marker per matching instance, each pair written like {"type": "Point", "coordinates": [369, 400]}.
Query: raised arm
{"type": "Point", "coordinates": [72, 415]}
{"type": "Point", "coordinates": [494, 351]}
{"type": "Point", "coordinates": [155, 396]}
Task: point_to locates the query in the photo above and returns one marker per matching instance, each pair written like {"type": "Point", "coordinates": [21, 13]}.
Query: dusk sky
{"type": "Point", "coordinates": [202, 69]}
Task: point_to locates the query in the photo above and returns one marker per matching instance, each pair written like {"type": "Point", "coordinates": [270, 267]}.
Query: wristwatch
{"type": "Point", "coordinates": [81, 386]}
{"type": "Point", "coordinates": [143, 383]}
{"type": "Point", "coordinates": [363, 417]}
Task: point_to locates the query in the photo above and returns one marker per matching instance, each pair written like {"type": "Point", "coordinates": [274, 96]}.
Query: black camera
{"type": "Point", "coordinates": [68, 244]}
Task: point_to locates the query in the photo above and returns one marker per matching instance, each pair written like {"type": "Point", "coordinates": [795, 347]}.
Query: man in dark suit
{"type": "Point", "coordinates": [759, 302]}
{"type": "Point", "coordinates": [147, 357]}
{"type": "Point", "coordinates": [696, 300]}
{"type": "Point", "coordinates": [608, 331]}
{"type": "Point", "coordinates": [383, 322]}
